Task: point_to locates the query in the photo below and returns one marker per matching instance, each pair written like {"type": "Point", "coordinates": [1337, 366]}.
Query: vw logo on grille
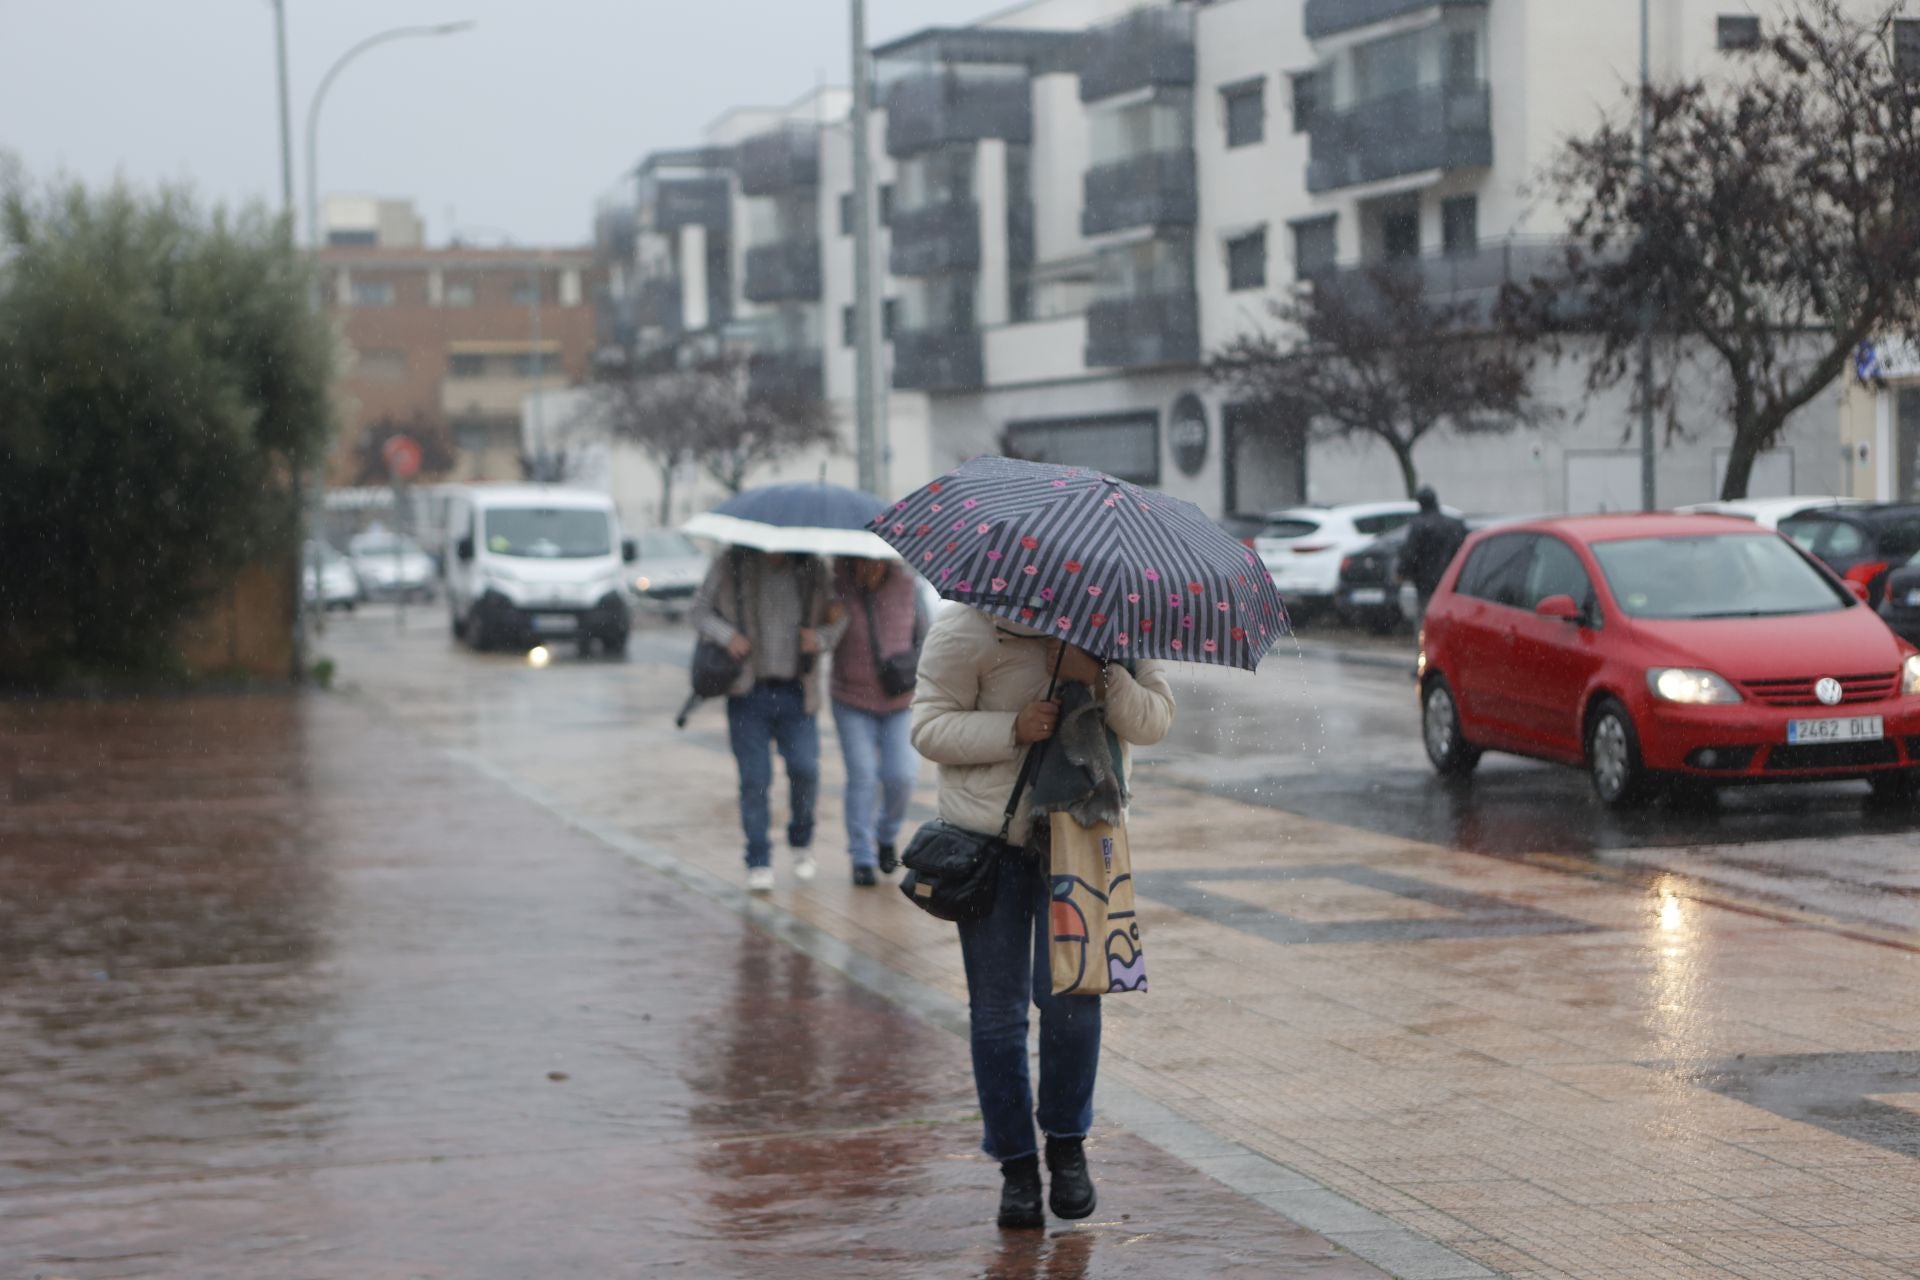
{"type": "Point", "coordinates": [1828, 690]}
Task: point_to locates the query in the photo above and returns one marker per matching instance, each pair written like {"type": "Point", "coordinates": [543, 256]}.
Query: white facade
{"type": "Point", "coordinates": [1078, 193]}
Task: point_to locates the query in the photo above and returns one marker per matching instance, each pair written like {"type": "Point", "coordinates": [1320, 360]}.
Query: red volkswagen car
{"type": "Point", "coordinates": [1664, 648]}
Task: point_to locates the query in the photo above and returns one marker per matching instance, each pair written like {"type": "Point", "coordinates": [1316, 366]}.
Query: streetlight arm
{"type": "Point", "coordinates": [320, 95]}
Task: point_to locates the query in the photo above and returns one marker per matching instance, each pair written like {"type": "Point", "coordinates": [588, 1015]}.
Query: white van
{"type": "Point", "coordinates": [532, 563]}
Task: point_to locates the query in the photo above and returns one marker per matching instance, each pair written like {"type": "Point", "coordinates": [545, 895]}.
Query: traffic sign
{"type": "Point", "coordinates": [402, 454]}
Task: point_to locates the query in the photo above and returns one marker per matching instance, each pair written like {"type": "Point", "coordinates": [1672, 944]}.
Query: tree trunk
{"type": "Point", "coordinates": [1747, 438]}
{"type": "Point", "coordinates": [666, 495]}
{"type": "Point", "coordinates": [1403, 454]}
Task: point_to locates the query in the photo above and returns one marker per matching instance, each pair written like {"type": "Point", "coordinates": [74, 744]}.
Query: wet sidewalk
{"type": "Point", "coordinates": [285, 991]}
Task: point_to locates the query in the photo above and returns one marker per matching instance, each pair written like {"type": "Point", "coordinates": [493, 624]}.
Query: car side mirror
{"type": "Point", "coordinates": [1858, 590]}
{"type": "Point", "coordinates": [464, 549]}
{"type": "Point", "coordinates": [1561, 607]}
{"type": "Point", "coordinates": [629, 550]}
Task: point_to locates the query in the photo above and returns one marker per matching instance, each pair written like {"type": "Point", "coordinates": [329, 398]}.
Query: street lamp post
{"type": "Point", "coordinates": [320, 94]}
{"type": "Point", "coordinates": [298, 471]}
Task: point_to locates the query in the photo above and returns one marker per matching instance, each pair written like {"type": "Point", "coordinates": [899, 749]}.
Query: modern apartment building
{"type": "Point", "coordinates": [446, 341]}
{"type": "Point", "coordinates": [1081, 198]}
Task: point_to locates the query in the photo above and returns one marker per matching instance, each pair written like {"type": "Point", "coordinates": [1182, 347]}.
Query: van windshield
{"type": "Point", "coordinates": [549, 533]}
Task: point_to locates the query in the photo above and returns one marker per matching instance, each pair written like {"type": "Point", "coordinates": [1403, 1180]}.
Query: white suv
{"type": "Point", "coordinates": [1303, 546]}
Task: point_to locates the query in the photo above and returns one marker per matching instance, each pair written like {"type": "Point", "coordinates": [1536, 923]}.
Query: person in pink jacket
{"type": "Point", "coordinates": [884, 626]}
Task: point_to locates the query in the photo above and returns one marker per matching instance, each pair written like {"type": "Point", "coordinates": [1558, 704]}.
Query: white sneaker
{"type": "Point", "coordinates": [760, 880]}
{"type": "Point", "coordinates": [805, 868]}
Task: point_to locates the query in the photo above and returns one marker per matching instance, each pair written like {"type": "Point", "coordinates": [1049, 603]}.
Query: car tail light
{"type": "Point", "coordinates": [1313, 548]}
{"type": "Point", "coordinates": [1867, 574]}
{"type": "Point", "coordinates": [1346, 564]}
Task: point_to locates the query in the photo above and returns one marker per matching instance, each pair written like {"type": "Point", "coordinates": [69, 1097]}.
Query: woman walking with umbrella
{"type": "Point", "coordinates": [873, 681]}
{"type": "Point", "coordinates": [1071, 577]}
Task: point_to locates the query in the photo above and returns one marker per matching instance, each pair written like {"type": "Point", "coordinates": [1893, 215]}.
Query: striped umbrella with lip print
{"type": "Point", "coordinates": [1117, 569]}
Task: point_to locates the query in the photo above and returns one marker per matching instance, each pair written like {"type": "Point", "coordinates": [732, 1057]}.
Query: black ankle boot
{"type": "Point", "coordinates": [889, 860]}
{"type": "Point", "coordinates": [1020, 1193]}
{"type": "Point", "coordinates": [1071, 1191]}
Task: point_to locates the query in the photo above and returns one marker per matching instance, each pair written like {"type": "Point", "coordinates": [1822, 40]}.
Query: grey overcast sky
{"type": "Point", "coordinates": [517, 124]}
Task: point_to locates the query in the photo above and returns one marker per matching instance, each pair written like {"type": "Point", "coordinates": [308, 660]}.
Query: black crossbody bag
{"type": "Point", "coordinates": [715, 670]}
{"type": "Point", "coordinates": [898, 672]}
{"type": "Point", "coordinates": [952, 872]}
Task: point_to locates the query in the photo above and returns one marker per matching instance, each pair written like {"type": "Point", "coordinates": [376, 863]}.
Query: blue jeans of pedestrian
{"type": "Point", "coordinates": [881, 770]}
{"type": "Point", "coordinates": [774, 715]}
{"type": "Point", "coordinates": [1007, 970]}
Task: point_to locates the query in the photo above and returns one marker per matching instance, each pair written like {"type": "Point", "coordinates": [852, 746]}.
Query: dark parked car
{"type": "Point", "coordinates": [1369, 591]}
{"type": "Point", "coordinates": [1861, 544]}
{"type": "Point", "coordinates": [1900, 602]}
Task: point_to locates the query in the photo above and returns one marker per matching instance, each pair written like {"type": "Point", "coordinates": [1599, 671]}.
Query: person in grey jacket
{"type": "Point", "coordinates": [981, 705]}
{"type": "Point", "coordinates": [785, 619]}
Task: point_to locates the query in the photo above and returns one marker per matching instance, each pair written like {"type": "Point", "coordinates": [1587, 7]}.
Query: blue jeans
{"type": "Point", "coordinates": [1007, 968]}
{"type": "Point", "coordinates": [774, 715]}
{"type": "Point", "coordinates": [878, 749]}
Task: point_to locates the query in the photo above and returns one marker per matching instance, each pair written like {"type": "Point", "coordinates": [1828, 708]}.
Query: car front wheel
{"type": "Point", "coordinates": [1613, 757]}
{"type": "Point", "coordinates": [1447, 747]}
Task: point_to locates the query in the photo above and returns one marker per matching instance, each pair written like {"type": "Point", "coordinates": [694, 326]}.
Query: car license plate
{"type": "Point", "coordinates": [1851, 729]}
{"type": "Point", "coordinates": [550, 622]}
{"type": "Point", "coordinates": [1367, 595]}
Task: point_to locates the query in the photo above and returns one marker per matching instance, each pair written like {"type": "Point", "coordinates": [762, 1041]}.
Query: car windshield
{"type": "Point", "coordinates": [665, 544]}
{"type": "Point", "coordinates": [384, 544]}
{"type": "Point", "coordinates": [549, 533]}
{"type": "Point", "coordinates": [1714, 576]}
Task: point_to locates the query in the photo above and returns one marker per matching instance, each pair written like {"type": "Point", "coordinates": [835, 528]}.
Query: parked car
{"type": "Point", "coordinates": [391, 566]}
{"type": "Point", "coordinates": [538, 562]}
{"type": "Point", "coordinates": [1654, 648]}
{"type": "Point", "coordinates": [1861, 544]}
{"type": "Point", "coordinates": [328, 578]}
{"type": "Point", "coordinates": [668, 572]}
{"type": "Point", "coordinates": [1900, 601]}
{"type": "Point", "coordinates": [1769, 512]}
{"type": "Point", "coordinates": [1369, 590]}
{"type": "Point", "coordinates": [1303, 547]}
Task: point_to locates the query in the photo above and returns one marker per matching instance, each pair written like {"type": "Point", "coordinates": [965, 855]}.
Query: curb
{"type": "Point", "coordinates": [1367, 1235]}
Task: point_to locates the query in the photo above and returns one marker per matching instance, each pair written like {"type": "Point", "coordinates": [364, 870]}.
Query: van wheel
{"type": "Point", "coordinates": [1613, 758]}
{"type": "Point", "coordinates": [479, 635]}
{"type": "Point", "coordinates": [1447, 747]}
{"type": "Point", "coordinates": [615, 644]}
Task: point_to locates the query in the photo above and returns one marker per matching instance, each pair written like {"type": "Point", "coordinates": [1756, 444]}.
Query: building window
{"type": "Point", "coordinates": [1125, 445]}
{"type": "Point", "coordinates": [372, 293]}
{"type": "Point", "coordinates": [889, 318]}
{"type": "Point", "coordinates": [1400, 232]}
{"type": "Point", "coordinates": [846, 213]}
{"type": "Point", "coordinates": [1463, 57]}
{"type": "Point", "coordinates": [1306, 96]}
{"type": "Point", "coordinates": [1314, 246]}
{"type": "Point", "coordinates": [1739, 31]}
{"type": "Point", "coordinates": [886, 204]}
{"type": "Point", "coordinates": [466, 364]}
{"type": "Point", "coordinates": [527, 292]}
{"type": "Point", "coordinates": [1246, 110]}
{"type": "Point", "coordinates": [1460, 224]}
{"type": "Point", "coordinates": [848, 333]}
{"type": "Point", "coordinates": [380, 365]}
{"type": "Point", "coordinates": [527, 364]}
{"type": "Point", "coordinates": [1906, 47]}
{"type": "Point", "coordinates": [457, 293]}
{"type": "Point", "coordinates": [1247, 261]}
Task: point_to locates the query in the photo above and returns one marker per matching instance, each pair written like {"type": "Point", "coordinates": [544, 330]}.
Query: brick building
{"type": "Point", "coordinates": [445, 343]}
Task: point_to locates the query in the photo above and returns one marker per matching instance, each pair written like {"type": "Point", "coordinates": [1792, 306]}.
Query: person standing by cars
{"type": "Point", "coordinates": [783, 621]}
{"type": "Point", "coordinates": [1432, 540]}
{"type": "Point", "coordinates": [982, 703]}
{"type": "Point", "coordinates": [873, 680]}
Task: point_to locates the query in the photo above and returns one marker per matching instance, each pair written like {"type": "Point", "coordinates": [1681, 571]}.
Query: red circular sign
{"type": "Point", "coordinates": [402, 455]}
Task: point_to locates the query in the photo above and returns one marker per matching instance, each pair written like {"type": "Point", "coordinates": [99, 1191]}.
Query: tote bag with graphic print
{"type": "Point", "coordinates": [1095, 948]}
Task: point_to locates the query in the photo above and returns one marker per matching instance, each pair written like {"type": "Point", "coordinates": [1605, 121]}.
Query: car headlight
{"type": "Point", "coordinates": [1910, 675]}
{"type": "Point", "coordinates": [642, 583]}
{"type": "Point", "coordinates": [1692, 687]}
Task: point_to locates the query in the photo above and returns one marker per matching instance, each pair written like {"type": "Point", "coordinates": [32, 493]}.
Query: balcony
{"type": "Point", "coordinates": [786, 271]}
{"type": "Point", "coordinates": [673, 203]}
{"type": "Point", "coordinates": [657, 304]}
{"type": "Point", "coordinates": [938, 360]}
{"type": "Point", "coordinates": [1469, 281]}
{"type": "Point", "coordinates": [785, 375]}
{"type": "Point", "coordinates": [931, 109]}
{"type": "Point", "coordinates": [1149, 329]}
{"type": "Point", "coordinates": [1152, 190]}
{"type": "Point", "coordinates": [1148, 49]}
{"type": "Point", "coordinates": [780, 160]}
{"type": "Point", "coordinates": [1333, 17]}
{"type": "Point", "coordinates": [935, 239]}
{"type": "Point", "coordinates": [1435, 128]}
{"type": "Point", "coordinates": [614, 319]}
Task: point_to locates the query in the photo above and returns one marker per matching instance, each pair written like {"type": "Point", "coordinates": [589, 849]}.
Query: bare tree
{"type": "Point", "coordinates": [756, 430]}
{"type": "Point", "coordinates": [1370, 354]}
{"type": "Point", "coordinates": [1780, 228]}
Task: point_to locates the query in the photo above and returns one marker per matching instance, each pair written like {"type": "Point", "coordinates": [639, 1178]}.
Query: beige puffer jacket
{"type": "Point", "coordinates": [976, 674]}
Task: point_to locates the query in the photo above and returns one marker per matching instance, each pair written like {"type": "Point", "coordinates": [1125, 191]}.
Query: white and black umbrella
{"type": "Point", "coordinates": [796, 519]}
